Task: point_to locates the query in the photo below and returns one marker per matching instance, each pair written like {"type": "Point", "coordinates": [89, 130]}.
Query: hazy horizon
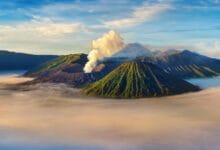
{"type": "Point", "coordinates": [153, 50]}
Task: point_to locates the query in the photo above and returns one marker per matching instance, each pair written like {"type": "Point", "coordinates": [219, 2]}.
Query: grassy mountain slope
{"type": "Point", "coordinates": [137, 79]}
{"type": "Point", "coordinates": [187, 64]}
{"type": "Point", "coordinates": [183, 64]}
{"type": "Point", "coordinates": [65, 69]}
{"type": "Point", "coordinates": [60, 63]}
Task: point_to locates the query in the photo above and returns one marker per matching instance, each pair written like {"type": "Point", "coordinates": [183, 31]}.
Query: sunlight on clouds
{"type": "Point", "coordinates": [5, 80]}
{"type": "Point", "coordinates": [40, 28]}
{"type": "Point", "coordinates": [139, 15]}
{"type": "Point", "coordinates": [66, 25]}
{"type": "Point", "coordinates": [211, 49]}
{"type": "Point", "coordinates": [57, 114]}
{"type": "Point", "coordinates": [57, 29]}
{"type": "Point", "coordinates": [41, 36]}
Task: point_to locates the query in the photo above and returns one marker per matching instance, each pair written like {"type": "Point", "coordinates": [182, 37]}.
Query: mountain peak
{"type": "Point", "coordinates": [189, 52]}
{"type": "Point", "coordinates": [136, 80]}
{"type": "Point", "coordinates": [133, 50]}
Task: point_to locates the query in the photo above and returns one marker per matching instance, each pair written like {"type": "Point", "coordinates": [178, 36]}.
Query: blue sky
{"type": "Point", "coordinates": [69, 26]}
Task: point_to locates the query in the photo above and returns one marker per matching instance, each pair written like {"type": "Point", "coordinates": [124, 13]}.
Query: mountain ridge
{"type": "Point", "coordinates": [187, 64]}
{"type": "Point", "coordinates": [69, 69]}
{"type": "Point", "coordinates": [20, 61]}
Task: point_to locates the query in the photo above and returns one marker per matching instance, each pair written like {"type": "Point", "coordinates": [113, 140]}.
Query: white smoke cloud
{"type": "Point", "coordinates": [106, 46]}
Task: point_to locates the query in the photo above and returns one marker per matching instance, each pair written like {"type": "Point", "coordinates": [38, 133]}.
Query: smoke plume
{"type": "Point", "coordinates": [106, 46]}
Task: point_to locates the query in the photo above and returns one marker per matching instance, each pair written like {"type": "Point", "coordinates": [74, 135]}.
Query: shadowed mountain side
{"type": "Point", "coordinates": [77, 79]}
{"type": "Point", "coordinates": [136, 80]}
{"type": "Point", "coordinates": [182, 64]}
{"type": "Point", "coordinates": [66, 69]}
{"type": "Point", "coordinates": [21, 61]}
{"type": "Point", "coordinates": [187, 64]}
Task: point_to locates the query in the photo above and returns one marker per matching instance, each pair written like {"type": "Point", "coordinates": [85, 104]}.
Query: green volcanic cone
{"type": "Point", "coordinates": [136, 80]}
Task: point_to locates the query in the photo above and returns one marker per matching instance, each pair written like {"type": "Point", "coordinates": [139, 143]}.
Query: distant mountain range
{"type": "Point", "coordinates": [183, 64]}
{"type": "Point", "coordinates": [187, 64]}
{"type": "Point", "coordinates": [20, 61]}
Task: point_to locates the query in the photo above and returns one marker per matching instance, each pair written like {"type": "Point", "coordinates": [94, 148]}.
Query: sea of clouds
{"type": "Point", "coordinates": [55, 116]}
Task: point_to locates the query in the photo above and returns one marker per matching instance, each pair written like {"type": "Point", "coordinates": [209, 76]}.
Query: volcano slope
{"type": "Point", "coordinates": [74, 61]}
{"type": "Point", "coordinates": [187, 64]}
{"type": "Point", "coordinates": [69, 69]}
{"type": "Point", "coordinates": [182, 64]}
{"type": "Point", "coordinates": [136, 80]}
{"type": "Point", "coordinates": [65, 69]}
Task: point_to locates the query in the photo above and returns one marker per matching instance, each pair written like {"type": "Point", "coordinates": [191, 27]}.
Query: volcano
{"type": "Point", "coordinates": [133, 50]}
{"type": "Point", "coordinates": [68, 63]}
{"type": "Point", "coordinates": [136, 80]}
{"type": "Point", "coordinates": [66, 69]}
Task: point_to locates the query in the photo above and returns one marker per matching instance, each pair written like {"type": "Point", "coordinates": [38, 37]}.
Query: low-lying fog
{"type": "Point", "coordinates": [56, 117]}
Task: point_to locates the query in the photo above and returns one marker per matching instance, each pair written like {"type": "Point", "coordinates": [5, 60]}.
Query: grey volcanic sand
{"type": "Point", "coordinates": [52, 117]}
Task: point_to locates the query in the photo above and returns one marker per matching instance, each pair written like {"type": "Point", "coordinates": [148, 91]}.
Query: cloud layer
{"type": "Point", "coordinates": [63, 27]}
{"type": "Point", "coordinates": [49, 116]}
{"type": "Point", "coordinates": [139, 15]}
